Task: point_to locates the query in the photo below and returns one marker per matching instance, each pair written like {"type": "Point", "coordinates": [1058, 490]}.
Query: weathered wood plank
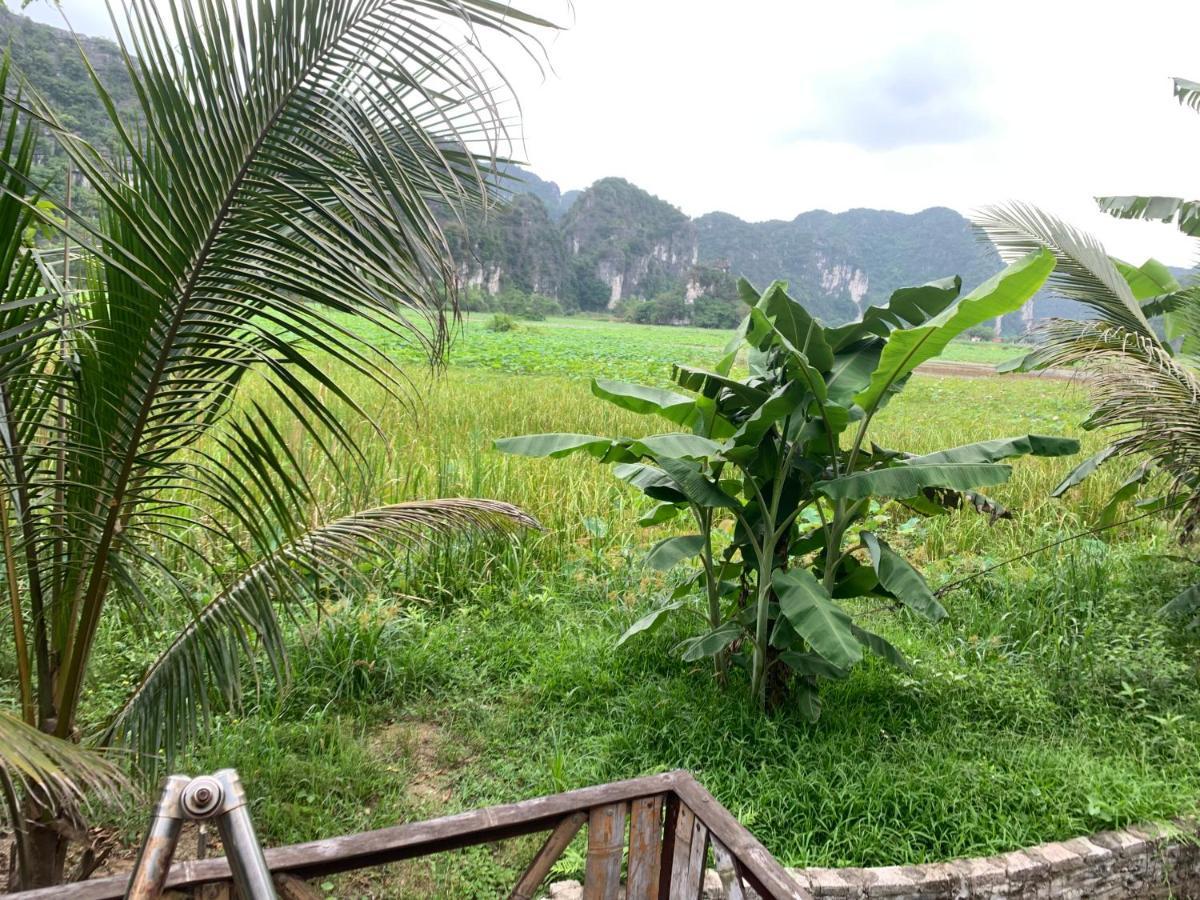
{"type": "Point", "coordinates": [670, 839]}
{"type": "Point", "coordinates": [645, 848]}
{"type": "Point", "coordinates": [606, 840]}
{"type": "Point", "coordinates": [688, 878]}
{"type": "Point", "coordinates": [757, 866]}
{"type": "Point", "coordinates": [727, 869]}
{"type": "Point", "coordinates": [547, 856]}
{"type": "Point", "coordinates": [676, 874]}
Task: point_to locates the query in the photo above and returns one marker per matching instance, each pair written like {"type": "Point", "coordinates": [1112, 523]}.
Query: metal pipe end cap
{"type": "Point", "coordinates": [202, 797]}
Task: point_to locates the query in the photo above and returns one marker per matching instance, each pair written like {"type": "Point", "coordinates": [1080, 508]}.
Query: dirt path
{"type": "Point", "coordinates": [983, 370]}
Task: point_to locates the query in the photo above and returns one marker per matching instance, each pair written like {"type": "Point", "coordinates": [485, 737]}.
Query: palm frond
{"type": "Point", "coordinates": [1187, 92]}
{"type": "Point", "coordinates": [1083, 271]}
{"type": "Point", "coordinates": [289, 170]}
{"type": "Point", "coordinates": [173, 699]}
{"type": "Point", "coordinates": [52, 769]}
{"type": "Point", "coordinates": [1148, 399]}
{"type": "Point", "coordinates": [30, 327]}
{"type": "Point", "coordinates": [40, 771]}
{"type": "Point", "coordinates": [1183, 214]}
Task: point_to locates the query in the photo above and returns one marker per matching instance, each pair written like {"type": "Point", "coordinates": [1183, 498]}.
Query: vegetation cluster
{"type": "Point", "coordinates": [231, 538]}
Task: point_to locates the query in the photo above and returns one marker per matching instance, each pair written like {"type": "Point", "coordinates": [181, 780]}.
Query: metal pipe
{"type": "Point", "coordinates": [154, 859]}
{"type": "Point", "coordinates": [246, 861]}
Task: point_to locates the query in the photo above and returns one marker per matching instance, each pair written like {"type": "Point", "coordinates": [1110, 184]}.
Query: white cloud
{"type": "Point", "coordinates": [85, 16]}
{"type": "Point", "coordinates": [918, 94]}
{"type": "Point", "coordinates": [1057, 101]}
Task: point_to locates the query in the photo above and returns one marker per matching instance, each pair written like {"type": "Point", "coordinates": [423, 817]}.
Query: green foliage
{"type": "Point", "coordinates": [534, 307]}
{"type": "Point", "coordinates": [579, 346]}
{"type": "Point", "coordinates": [665, 309]}
{"type": "Point", "coordinates": [512, 302]}
{"type": "Point", "coordinates": [713, 302]}
{"type": "Point", "coordinates": [766, 452]}
{"type": "Point", "coordinates": [585, 290]}
{"type": "Point", "coordinates": [1144, 381]}
{"type": "Point", "coordinates": [1067, 714]}
{"type": "Point", "coordinates": [501, 322]}
{"type": "Point", "coordinates": [714, 312]}
{"type": "Point", "coordinates": [50, 60]}
{"type": "Point", "coordinates": [112, 373]}
{"type": "Point", "coordinates": [1012, 727]}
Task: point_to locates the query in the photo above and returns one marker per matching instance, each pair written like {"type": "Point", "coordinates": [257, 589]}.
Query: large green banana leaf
{"type": "Point", "coordinates": [1003, 293]}
{"type": "Point", "coordinates": [909, 480]}
{"type": "Point", "coordinates": [811, 611]}
{"type": "Point", "coordinates": [1000, 449]}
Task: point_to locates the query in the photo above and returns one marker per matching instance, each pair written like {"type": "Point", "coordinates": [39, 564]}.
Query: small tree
{"type": "Point", "coordinates": [783, 453]}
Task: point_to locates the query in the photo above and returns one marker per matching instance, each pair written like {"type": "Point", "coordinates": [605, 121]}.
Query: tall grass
{"type": "Point", "coordinates": [1052, 703]}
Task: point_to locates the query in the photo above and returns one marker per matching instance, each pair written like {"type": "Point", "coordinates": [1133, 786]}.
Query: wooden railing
{"type": "Point", "coordinates": [670, 819]}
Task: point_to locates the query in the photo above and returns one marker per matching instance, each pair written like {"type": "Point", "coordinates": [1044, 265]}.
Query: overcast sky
{"type": "Point", "coordinates": [767, 108]}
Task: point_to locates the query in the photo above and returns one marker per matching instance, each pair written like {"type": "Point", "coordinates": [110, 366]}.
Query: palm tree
{"type": "Point", "coordinates": [286, 173]}
{"type": "Point", "coordinates": [1144, 382]}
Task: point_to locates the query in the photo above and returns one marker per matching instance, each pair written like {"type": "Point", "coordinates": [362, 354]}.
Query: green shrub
{"type": "Point", "coordinates": [502, 322]}
{"type": "Point", "coordinates": [476, 300]}
{"type": "Point", "coordinates": [715, 312]}
{"type": "Point", "coordinates": [665, 309]}
{"type": "Point", "coordinates": [538, 307]}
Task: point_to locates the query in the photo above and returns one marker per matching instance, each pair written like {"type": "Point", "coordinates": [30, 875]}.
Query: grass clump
{"type": "Point", "coordinates": [501, 322]}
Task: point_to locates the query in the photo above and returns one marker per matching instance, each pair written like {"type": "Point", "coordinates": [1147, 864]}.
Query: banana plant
{"type": "Point", "coordinates": [782, 453]}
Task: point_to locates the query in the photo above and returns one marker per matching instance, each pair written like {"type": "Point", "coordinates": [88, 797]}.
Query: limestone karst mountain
{"type": "Point", "coordinates": [594, 248]}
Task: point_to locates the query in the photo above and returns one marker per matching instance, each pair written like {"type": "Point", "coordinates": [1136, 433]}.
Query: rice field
{"type": "Point", "coordinates": [1052, 703]}
{"type": "Point", "coordinates": [582, 347]}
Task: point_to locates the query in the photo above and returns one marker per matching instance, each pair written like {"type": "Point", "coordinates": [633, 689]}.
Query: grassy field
{"type": "Point", "coordinates": [1052, 703]}
{"type": "Point", "coordinates": [585, 347]}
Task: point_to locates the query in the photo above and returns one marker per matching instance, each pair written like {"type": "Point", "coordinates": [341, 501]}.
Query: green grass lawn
{"type": "Point", "coordinates": [1052, 703]}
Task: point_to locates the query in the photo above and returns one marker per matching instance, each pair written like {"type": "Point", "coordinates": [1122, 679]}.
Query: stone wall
{"type": "Point", "coordinates": [1146, 861]}
{"type": "Point", "coordinates": [1135, 862]}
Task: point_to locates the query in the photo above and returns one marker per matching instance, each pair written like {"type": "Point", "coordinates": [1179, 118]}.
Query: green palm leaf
{"type": "Point", "coordinates": [53, 769]}
{"type": "Point", "coordinates": [283, 182]}
{"type": "Point", "coordinates": [1083, 271]}
{"type": "Point", "coordinates": [1142, 390]}
{"type": "Point", "coordinates": [1183, 214]}
{"type": "Point", "coordinates": [52, 774]}
{"type": "Point", "coordinates": [291, 162]}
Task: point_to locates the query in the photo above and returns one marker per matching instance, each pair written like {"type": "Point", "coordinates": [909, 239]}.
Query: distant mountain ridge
{"type": "Point", "coordinates": [556, 201]}
{"type": "Point", "coordinates": [844, 262]}
{"type": "Point", "coordinates": [619, 242]}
